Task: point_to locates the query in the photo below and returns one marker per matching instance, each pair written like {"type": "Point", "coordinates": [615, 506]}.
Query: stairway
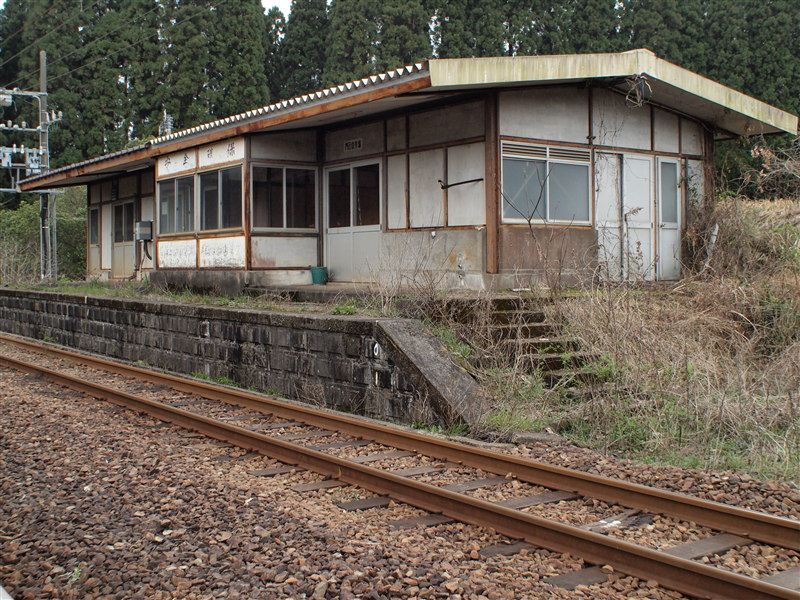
{"type": "Point", "coordinates": [536, 345]}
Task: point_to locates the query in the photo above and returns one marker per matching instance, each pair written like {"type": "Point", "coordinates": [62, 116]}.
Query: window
{"type": "Point", "coordinates": [94, 226]}
{"type": "Point", "coordinates": [362, 206]}
{"type": "Point", "coordinates": [284, 197]}
{"type": "Point", "coordinates": [669, 191]}
{"type": "Point", "coordinates": [221, 199]}
{"type": "Point", "coordinates": [545, 184]}
{"type": "Point", "coordinates": [339, 198]}
{"type": "Point", "coordinates": [176, 205]}
{"type": "Point", "coordinates": [367, 205]}
{"type": "Point", "coordinates": [123, 223]}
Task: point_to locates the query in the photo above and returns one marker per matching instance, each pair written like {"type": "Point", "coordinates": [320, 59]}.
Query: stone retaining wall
{"type": "Point", "coordinates": [388, 369]}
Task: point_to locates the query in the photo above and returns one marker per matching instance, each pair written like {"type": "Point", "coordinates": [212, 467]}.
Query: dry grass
{"type": "Point", "coordinates": [707, 373]}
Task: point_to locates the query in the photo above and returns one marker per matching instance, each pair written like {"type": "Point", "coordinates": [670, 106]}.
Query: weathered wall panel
{"type": "Point", "coordinates": [560, 114]}
{"type": "Point", "coordinates": [666, 131]}
{"type": "Point", "coordinates": [446, 124]}
{"type": "Point", "coordinates": [396, 133]}
{"type": "Point", "coordinates": [222, 252]}
{"type": "Point", "coordinates": [354, 142]}
{"type": "Point", "coordinates": [273, 252]}
{"type": "Point", "coordinates": [396, 191]}
{"type": "Point", "coordinates": [426, 198]}
{"type": "Point", "coordinates": [177, 254]}
{"type": "Point", "coordinates": [292, 145]}
{"type": "Point", "coordinates": [618, 124]}
{"type": "Point", "coordinates": [466, 204]}
{"type": "Point", "coordinates": [173, 164]}
{"type": "Point", "coordinates": [691, 137]}
{"type": "Point", "coordinates": [565, 250]}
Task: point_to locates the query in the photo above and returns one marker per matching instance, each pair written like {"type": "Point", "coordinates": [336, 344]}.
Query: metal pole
{"type": "Point", "coordinates": [49, 248]}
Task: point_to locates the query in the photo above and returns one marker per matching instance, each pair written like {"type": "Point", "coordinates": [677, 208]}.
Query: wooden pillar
{"type": "Point", "coordinates": [492, 176]}
{"type": "Point", "coordinates": [248, 193]}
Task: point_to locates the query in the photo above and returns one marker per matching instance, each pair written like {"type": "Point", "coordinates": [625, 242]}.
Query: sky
{"type": "Point", "coordinates": [282, 4]}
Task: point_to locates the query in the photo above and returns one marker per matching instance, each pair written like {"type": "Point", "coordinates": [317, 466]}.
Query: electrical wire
{"type": "Point", "coordinates": [82, 48]}
{"type": "Point", "coordinates": [21, 30]}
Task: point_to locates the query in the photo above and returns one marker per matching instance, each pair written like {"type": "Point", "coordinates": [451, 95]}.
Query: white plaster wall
{"type": "Point", "coordinates": [460, 253]}
{"type": "Point", "coordinates": [446, 124]}
{"type": "Point", "coordinates": [370, 134]}
{"type": "Point", "coordinates": [396, 191]}
{"type": "Point", "coordinates": [691, 137]}
{"type": "Point", "coordinates": [272, 252]}
{"type": "Point", "coordinates": [179, 162]}
{"type": "Point", "coordinates": [396, 133]}
{"type": "Point", "coordinates": [560, 114]}
{"type": "Point", "coordinates": [106, 235]}
{"type": "Point", "coordinates": [222, 252]}
{"type": "Point", "coordinates": [666, 131]}
{"type": "Point", "coordinates": [466, 204]}
{"type": "Point", "coordinates": [291, 145]}
{"type": "Point", "coordinates": [177, 254]}
{"type": "Point", "coordinates": [426, 200]}
{"type": "Point", "coordinates": [617, 124]}
{"type": "Point", "coordinates": [94, 260]}
{"type": "Point", "coordinates": [223, 152]}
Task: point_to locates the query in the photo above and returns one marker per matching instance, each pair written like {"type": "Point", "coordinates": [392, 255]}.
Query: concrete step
{"type": "Point", "coordinates": [569, 377]}
{"type": "Point", "coordinates": [515, 316]}
{"type": "Point", "coordinates": [540, 344]}
{"type": "Point", "coordinates": [522, 331]}
{"type": "Point", "coordinates": [553, 361]}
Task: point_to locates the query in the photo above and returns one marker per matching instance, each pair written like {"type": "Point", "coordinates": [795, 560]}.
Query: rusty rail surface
{"type": "Point", "coordinates": [683, 575]}
{"type": "Point", "coordinates": [747, 523]}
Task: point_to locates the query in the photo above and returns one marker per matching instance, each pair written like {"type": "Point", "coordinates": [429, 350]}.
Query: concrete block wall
{"type": "Point", "coordinates": [334, 361]}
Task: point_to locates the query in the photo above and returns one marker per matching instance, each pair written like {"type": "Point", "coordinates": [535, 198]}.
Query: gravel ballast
{"type": "Point", "coordinates": [100, 502]}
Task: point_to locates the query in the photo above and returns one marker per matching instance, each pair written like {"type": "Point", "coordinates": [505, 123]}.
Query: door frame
{"type": "Point", "coordinates": [352, 229]}
{"type": "Point", "coordinates": [659, 222]}
{"type": "Point", "coordinates": [131, 243]}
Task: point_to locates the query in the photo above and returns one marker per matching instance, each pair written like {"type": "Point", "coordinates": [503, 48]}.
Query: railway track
{"type": "Point", "coordinates": [346, 450]}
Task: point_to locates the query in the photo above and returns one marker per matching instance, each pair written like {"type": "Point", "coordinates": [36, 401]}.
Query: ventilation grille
{"type": "Point", "coordinates": [525, 150]}
{"type": "Point", "coordinates": [569, 154]}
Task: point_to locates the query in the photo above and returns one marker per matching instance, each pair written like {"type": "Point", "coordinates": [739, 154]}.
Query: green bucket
{"type": "Point", "coordinates": [319, 275]}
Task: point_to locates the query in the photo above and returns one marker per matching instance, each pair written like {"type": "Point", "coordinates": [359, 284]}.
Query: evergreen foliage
{"type": "Point", "coordinates": [303, 47]}
{"type": "Point", "coordinates": [116, 66]}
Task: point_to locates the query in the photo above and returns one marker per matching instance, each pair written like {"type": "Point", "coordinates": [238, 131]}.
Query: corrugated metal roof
{"type": "Point", "coordinates": [282, 105]}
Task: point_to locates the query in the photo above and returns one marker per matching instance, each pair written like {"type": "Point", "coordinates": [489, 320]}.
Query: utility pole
{"type": "Point", "coordinates": [33, 161]}
{"type": "Point", "coordinates": [47, 201]}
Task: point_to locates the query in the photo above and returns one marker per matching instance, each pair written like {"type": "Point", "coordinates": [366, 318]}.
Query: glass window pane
{"type": "Point", "coordinates": [368, 197]}
{"type": "Point", "coordinates": [524, 191]}
{"type": "Point", "coordinates": [669, 192]}
{"type": "Point", "coordinates": [231, 198]}
{"type": "Point", "coordinates": [301, 198]}
{"type": "Point", "coordinates": [209, 200]}
{"type": "Point", "coordinates": [94, 226]}
{"type": "Point", "coordinates": [267, 197]}
{"type": "Point", "coordinates": [569, 192]}
{"type": "Point", "coordinates": [119, 225]}
{"type": "Point", "coordinates": [339, 198]}
{"type": "Point", "coordinates": [184, 204]}
{"type": "Point", "coordinates": [127, 233]}
{"type": "Point", "coordinates": [166, 203]}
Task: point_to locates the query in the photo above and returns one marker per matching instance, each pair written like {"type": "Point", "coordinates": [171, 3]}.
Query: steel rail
{"type": "Point", "coordinates": [680, 574]}
{"type": "Point", "coordinates": [746, 523]}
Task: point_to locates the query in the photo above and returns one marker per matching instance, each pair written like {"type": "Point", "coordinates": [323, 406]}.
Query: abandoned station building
{"type": "Point", "coordinates": [482, 169]}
